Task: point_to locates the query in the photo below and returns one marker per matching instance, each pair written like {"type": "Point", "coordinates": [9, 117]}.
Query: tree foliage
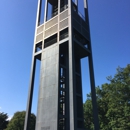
{"type": "Point", "coordinates": [3, 120]}
{"type": "Point", "coordinates": [17, 122]}
{"type": "Point", "coordinates": [113, 101]}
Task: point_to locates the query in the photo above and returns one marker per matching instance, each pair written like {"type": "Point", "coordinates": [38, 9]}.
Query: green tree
{"type": "Point", "coordinates": [113, 101]}
{"type": "Point", "coordinates": [3, 120]}
{"type": "Point", "coordinates": [17, 122]}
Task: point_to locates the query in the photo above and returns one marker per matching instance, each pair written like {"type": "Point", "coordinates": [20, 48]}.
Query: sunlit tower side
{"type": "Point", "coordinates": [62, 39]}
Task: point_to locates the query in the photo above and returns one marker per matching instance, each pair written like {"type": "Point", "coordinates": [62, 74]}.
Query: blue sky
{"type": "Point", "coordinates": [110, 36]}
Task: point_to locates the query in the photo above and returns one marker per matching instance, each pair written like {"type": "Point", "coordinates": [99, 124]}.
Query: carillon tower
{"type": "Point", "coordinates": [62, 39]}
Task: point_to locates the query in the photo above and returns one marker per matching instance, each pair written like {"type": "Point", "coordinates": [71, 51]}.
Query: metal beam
{"type": "Point", "coordinates": [30, 95]}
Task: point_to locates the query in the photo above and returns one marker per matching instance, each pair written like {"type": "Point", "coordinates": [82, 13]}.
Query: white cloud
{"type": "Point", "coordinates": [9, 118]}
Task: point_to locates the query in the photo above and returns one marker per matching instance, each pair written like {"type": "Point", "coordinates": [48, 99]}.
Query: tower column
{"type": "Point", "coordinates": [71, 95]}
{"type": "Point", "coordinates": [30, 95]}
{"type": "Point", "coordinates": [45, 11]}
{"type": "Point", "coordinates": [91, 70]}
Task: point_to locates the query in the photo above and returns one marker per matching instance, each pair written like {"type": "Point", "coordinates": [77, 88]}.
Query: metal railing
{"type": "Point", "coordinates": [55, 13]}
{"type": "Point", "coordinates": [52, 15]}
{"type": "Point", "coordinates": [63, 36]}
{"type": "Point", "coordinates": [46, 44]}
{"type": "Point", "coordinates": [38, 48]}
{"type": "Point", "coordinates": [81, 40]}
{"type": "Point", "coordinates": [63, 8]}
{"type": "Point", "coordinates": [80, 14]}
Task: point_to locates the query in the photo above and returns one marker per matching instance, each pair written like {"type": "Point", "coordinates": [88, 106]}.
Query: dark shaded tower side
{"type": "Point", "coordinates": [62, 39]}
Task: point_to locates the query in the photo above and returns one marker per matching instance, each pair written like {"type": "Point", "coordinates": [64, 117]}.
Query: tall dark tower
{"type": "Point", "coordinates": [62, 39]}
